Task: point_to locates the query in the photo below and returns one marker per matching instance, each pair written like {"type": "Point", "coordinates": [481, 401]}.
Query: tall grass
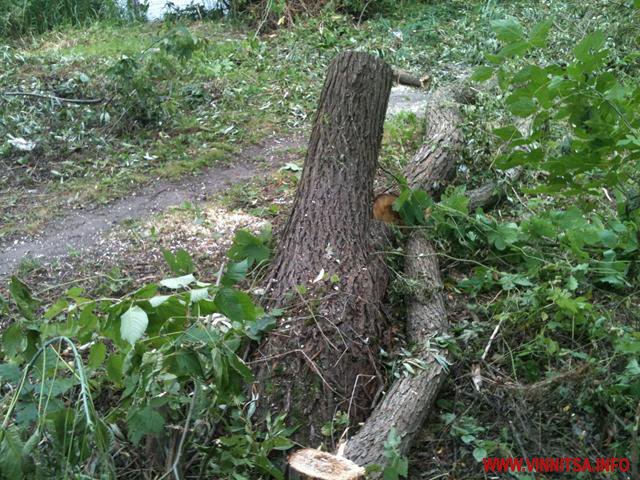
{"type": "Point", "coordinates": [20, 17]}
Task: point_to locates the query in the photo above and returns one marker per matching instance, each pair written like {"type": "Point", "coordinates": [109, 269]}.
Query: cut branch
{"type": "Point", "coordinates": [406, 405]}
{"type": "Point", "coordinates": [82, 101]}
{"type": "Point", "coordinates": [405, 78]}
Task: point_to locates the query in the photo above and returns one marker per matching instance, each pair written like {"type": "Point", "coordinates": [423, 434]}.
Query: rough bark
{"type": "Point", "coordinates": [434, 165]}
{"type": "Point", "coordinates": [406, 404]}
{"type": "Point", "coordinates": [321, 359]}
{"type": "Point", "coordinates": [405, 78]}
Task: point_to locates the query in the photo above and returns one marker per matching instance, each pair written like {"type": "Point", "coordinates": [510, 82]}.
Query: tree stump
{"type": "Point", "coordinates": [327, 269]}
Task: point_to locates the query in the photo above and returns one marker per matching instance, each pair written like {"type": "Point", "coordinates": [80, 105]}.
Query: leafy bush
{"type": "Point", "coordinates": [37, 16]}
{"type": "Point", "coordinates": [142, 86]}
{"type": "Point", "coordinates": [557, 271]}
{"type": "Point", "coordinates": [273, 14]}
{"type": "Point", "coordinates": [100, 376]}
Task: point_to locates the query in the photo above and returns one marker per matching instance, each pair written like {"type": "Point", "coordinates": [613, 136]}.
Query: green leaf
{"type": "Point", "coordinates": [185, 363]}
{"type": "Point", "coordinates": [10, 373]}
{"type": "Point", "coordinates": [56, 308]}
{"type": "Point", "coordinates": [180, 263]}
{"type": "Point", "coordinates": [250, 247]}
{"type": "Point", "coordinates": [115, 368]}
{"type": "Point", "coordinates": [508, 133]}
{"type": "Point", "coordinates": [539, 34]}
{"type": "Point", "coordinates": [21, 295]}
{"type": "Point", "coordinates": [133, 324]}
{"type": "Point", "coordinates": [482, 74]}
{"type": "Point", "coordinates": [178, 282]}
{"type": "Point", "coordinates": [97, 355]}
{"type": "Point", "coordinates": [514, 49]}
{"type": "Point", "coordinates": [507, 30]}
{"type": "Point", "coordinates": [198, 294]}
{"type": "Point", "coordinates": [588, 46]}
{"type": "Point", "coordinates": [504, 235]}
{"type": "Point", "coordinates": [479, 454]}
{"type": "Point", "coordinates": [13, 340]}
{"type": "Point", "coordinates": [239, 366]}
{"type": "Point", "coordinates": [11, 454]}
{"type": "Point", "coordinates": [235, 273]}
{"type": "Point", "coordinates": [144, 421]}
{"type": "Point", "coordinates": [521, 105]}
{"type": "Point", "coordinates": [235, 305]}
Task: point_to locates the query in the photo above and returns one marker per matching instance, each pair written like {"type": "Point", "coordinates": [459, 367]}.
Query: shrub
{"type": "Point", "coordinates": [36, 16]}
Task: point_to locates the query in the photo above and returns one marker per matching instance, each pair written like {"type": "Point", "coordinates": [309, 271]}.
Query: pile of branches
{"type": "Point", "coordinates": [272, 14]}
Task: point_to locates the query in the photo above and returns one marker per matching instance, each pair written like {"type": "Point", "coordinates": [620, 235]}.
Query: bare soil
{"type": "Point", "coordinates": [83, 229]}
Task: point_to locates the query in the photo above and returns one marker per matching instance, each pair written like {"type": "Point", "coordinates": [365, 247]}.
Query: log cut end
{"type": "Point", "coordinates": [324, 466]}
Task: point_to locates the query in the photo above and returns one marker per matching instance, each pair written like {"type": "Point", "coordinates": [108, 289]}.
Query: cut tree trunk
{"type": "Point", "coordinates": [327, 269]}
{"type": "Point", "coordinates": [406, 404]}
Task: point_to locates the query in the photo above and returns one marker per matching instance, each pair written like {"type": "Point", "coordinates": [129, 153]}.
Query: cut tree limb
{"type": "Point", "coordinates": [434, 165]}
{"type": "Point", "coordinates": [405, 78]}
{"type": "Point", "coordinates": [406, 405]}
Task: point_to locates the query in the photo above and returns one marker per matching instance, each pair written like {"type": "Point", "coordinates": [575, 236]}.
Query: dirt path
{"type": "Point", "coordinates": [82, 229]}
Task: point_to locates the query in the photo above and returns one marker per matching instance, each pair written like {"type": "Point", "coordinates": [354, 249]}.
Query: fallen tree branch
{"type": "Point", "coordinates": [82, 101]}
{"type": "Point", "coordinates": [405, 78]}
{"type": "Point", "coordinates": [406, 404]}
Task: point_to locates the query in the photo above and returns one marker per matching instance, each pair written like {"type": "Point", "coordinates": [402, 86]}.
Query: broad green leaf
{"type": "Point", "coordinates": [147, 291]}
{"type": "Point", "coordinates": [21, 295]}
{"type": "Point", "coordinates": [133, 324]}
{"type": "Point", "coordinates": [11, 454]}
{"type": "Point", "coordinates": [144, 421]}
{"type": "Point", "coordinates": [115, 368]}
{"type": "Point", "coordinates": [521, 105]}
{"type": "Point", "coordinates": [158, 300]}
{"type": "Point", "coordinates": [56, 308]}
{"type": "Point", "coordinates": [539, 34]}
{"type": "Point", "coordinates": [482, 74]}
{"type": "Point", "coordinates": [10, 373]}
{"type": "Point", "coordinates": [589, 45]}
{"type": "Point", "coordinates": [185, 363]}
{"type": "Point", "coordinates": [198, 294]}
{"type": "Point", "coordinates": [507, 30]}
{"type": "Point", "coordinates": [235, 273]}
{"type": "Point", "coordinates": [515, 49]}
{"type": "Point", "coordinates": [504, 235]}
{"type": "Point", "coordinates": [479, 454]}
{"type": "Point", "coordinates": [239, 366]}
{"type": "Point", "coordinates": [250, 247]}
{"type": "Point", "coordinates": [97, 354]}
{"type": "Point", "coordinates": [13, 340]}
{"type": "Point", "coordinates": [178, 282]}
{"type": "Point", "coordinates": [508, 133]}
{"type": "Point", "coordinates": [235, 305]}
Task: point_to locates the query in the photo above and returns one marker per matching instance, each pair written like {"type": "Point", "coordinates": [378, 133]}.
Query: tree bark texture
{"type": "Point", "coordinates": [434, 165]}
{"type": "Point", "coordinates": [321, 358]}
